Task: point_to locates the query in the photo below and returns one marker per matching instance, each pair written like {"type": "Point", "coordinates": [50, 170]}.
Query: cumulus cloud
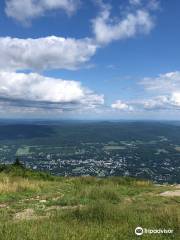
{"type": "Point", "coordinates": [36, 91]}
{"type": "Point", "coordinates": [155, 103]}
{"type": "Point", "coordinates": [119, 105]}
{"type": "Point", "coordinates": [164, 83]}
{"type": "Point", "coordinates": [65, 53]}
{"type": "Point", "coordinates": [30, 92]}
{"type": "Point", "coordinates": [25, 10]}
{"type": "Point", "coordinates": [165, 90]}
{"type": "Point", "coordinates": [166, 102]}
{"type": "Point", "coordinates": [107, 29]}
{"type": "Point", "coordinates": [175, 99]}
{"type": "Point", "coordinates": [163, 94]}
{"type": "Point", "coordinates": [44, 53]}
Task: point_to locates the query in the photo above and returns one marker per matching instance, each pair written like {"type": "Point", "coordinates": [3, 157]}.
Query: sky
{"type": "Point", "coordinates": [93, 59]}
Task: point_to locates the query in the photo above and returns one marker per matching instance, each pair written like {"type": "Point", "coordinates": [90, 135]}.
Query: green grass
{"type": "Point", "coordinates": [82, 208]}
{"type": "Point", "coordinates": [24, 150]}
{"type": "Point", "coordinates": [113, 147]}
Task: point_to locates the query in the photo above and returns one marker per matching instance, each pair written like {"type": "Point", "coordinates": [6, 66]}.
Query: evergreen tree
{"type": "Point", "coordinates": [17, 163]}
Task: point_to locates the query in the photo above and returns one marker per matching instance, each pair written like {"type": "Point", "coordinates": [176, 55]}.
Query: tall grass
{"type": "Point", "coordinates": [12, 185]}
{"type": "Point", "coordinates": [105, 208]}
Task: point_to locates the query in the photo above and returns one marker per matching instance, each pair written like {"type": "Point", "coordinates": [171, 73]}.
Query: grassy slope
{"type": "Point", "coordinates": [36, 206]}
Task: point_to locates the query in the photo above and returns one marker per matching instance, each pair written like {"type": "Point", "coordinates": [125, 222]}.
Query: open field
{"type": "Point", "coordinates": [38, 206]}
{"type": "Point", "coordinates": [112, 147]}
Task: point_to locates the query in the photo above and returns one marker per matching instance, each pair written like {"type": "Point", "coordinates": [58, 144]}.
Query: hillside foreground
{"type": "Point", "coordinates": [37, 206]}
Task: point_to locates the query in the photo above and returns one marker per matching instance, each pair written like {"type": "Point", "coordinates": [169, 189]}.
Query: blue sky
{"type": "Point", "coordinates": [90, 60]}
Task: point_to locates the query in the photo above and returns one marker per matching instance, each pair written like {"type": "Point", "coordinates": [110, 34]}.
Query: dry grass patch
{"type": "Point", "coordinates": [142, 183]}
{"type": "Point", "coordinates": [12, 185]}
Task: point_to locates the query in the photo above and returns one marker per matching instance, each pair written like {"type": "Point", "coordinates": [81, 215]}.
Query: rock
{"type": "Point", "coordinates": [43, 201]}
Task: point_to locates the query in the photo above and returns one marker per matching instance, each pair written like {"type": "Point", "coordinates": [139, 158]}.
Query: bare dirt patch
{"type": "Point", "coordinates": [64, 207]}
{"type": "Point", "coordinates": [3, 205]}
{"type": "Point", "coordinates": [27, 214]}
{"type": "Point", "coordinates": [175, 193]}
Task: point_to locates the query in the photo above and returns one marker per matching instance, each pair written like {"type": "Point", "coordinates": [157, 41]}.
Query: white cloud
{"type": "Point", "coordinates": [165, 90]}
{"type": "Point", "coordinates": [163, 96]}
{"type": "Point", "coordinates": [25, 10]}
{"type": "Point", "coordinates": [119, 105]}
{"type": "Point", "coordinates": [149, 104]}
{"type": "Point", "coordinates": [44, 53]}
{"type": "Point", "coordinates": [175, 99]}
{"type": "Point", "coordinates": [154, 4]}
{"type": "Point", "coordinates": [148, 4]}
{"type": "Point", "coordinates": [166, 102]}
{"type": "Point", "coordinates": [164, 93]}
{"type": "Point", "coordinates": [65, 53]}
{"type": "Point", "coordinates": [135, 2]}
{"type": "Point", "coordinates": [164, 83]}
{"type": "Point", "coordinates": [36, 91]}
{"type": "Point", "coordinates": [33, 92]}
{"type": "Point", "coordinates": [107, 29]}
{"type": "Point", "coordinates": [156, 103]}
